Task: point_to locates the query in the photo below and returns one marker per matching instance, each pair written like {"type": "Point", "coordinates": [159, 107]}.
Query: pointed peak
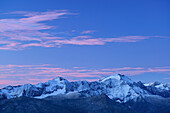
{"type": "Point", "coordinates": [115, 76]}
{"type": "Point", "coordinates": [58, 78]}
{"type": "Point", "coordinates": [119, 77]}
{"type": "Point", "coordinates": [152, 83]}
{"type": "Point", "coordinates": [156, 83]}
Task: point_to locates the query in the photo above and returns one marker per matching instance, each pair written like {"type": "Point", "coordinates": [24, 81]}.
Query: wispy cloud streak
{"type": "Point", "coordinates": [88, 31]}
{"type": "Point", "coordinates": [15, 33]}
{"type": "Point", "coordinates": [31, 30]}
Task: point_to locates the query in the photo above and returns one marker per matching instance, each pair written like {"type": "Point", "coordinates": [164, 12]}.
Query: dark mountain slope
{"type": "Point", "coordinates": [30, 105]}
{"type": "Point", "coordinates": [98, 104]}
{"type": "Point", "coordinates": [150, 104]}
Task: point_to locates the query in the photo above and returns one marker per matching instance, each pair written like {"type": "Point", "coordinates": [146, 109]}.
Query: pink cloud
{"type": "Point", "coordinates": [81, 37]}
{"type": "Point", "coordinates": [88, 32]}
{"type": "Point", "coordinates": [124, 68]}
{"type": "Point", "coordinates": [27, 29]}
{"type": "Point", "coordinates": [47, 41]}
{"type": "Point", "coordinates": [78, 67]}
{"type": "Point", "coordinates": [127, 39]}
{"type": "Point", "coordinates": [31, 22]}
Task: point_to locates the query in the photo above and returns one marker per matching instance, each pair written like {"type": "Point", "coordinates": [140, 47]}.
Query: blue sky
{"type": "Point", "coordinates": [84, 40]}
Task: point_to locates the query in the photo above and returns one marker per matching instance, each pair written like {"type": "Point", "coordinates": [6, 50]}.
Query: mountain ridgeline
{"type": "Point", "coordinates": [113, 94]}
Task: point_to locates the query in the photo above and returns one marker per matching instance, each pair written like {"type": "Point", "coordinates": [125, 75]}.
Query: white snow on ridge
{"type": "Point", "coordinates": [158, 85]}
{"type": "Point", "coordinates": [60, 91]}
{"type": "Point", "coordinates": [116, 76]}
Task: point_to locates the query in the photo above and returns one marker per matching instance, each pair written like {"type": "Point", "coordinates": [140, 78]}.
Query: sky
{"type": "Point", "coordinates": [84, 40]}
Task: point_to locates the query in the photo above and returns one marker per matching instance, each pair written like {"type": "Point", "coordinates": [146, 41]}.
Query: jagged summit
{"type": "Point", "coordinates": [118, 77]}
{"type": "Point", "coordinates": [58, 78]}
{"type": "Point", "coordinates": [117, 87]}
{"type": "Point", "coordinates": [115, 76]}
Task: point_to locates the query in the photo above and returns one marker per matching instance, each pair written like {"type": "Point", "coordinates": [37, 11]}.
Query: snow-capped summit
{"type": "Point", "coordinates": [158, 85]}
{"type": "Point", "coordinates": [56, 81]}
{"type": "Point", "coordinates": [122, 88]}
{"type": "Point", "coordinates": [118, 77]}
{"type": "Point", "coordinates": [59, 79]}
{"type": "Point", "coordinates": [117, 87]}
{"type": "Point", "coordinates": [52, 87]}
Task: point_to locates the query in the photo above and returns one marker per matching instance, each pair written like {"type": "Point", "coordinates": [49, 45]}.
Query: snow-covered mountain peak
{"type": "Point", "coordinates": [58, 79]}
{"type": "Point", "coordinates": [115, 76]}
{"type": "Point", "coordinates": [152, 83]}
{"type": "Point", "coordinates": [118, 77]}
{"type": "Point", "coordinates": [158, 85]}
{"type": "Point", "coordinates": [148, 84]}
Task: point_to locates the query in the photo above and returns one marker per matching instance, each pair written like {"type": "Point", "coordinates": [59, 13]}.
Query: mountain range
{"type": "Point", "coordinates": [113, 94]}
